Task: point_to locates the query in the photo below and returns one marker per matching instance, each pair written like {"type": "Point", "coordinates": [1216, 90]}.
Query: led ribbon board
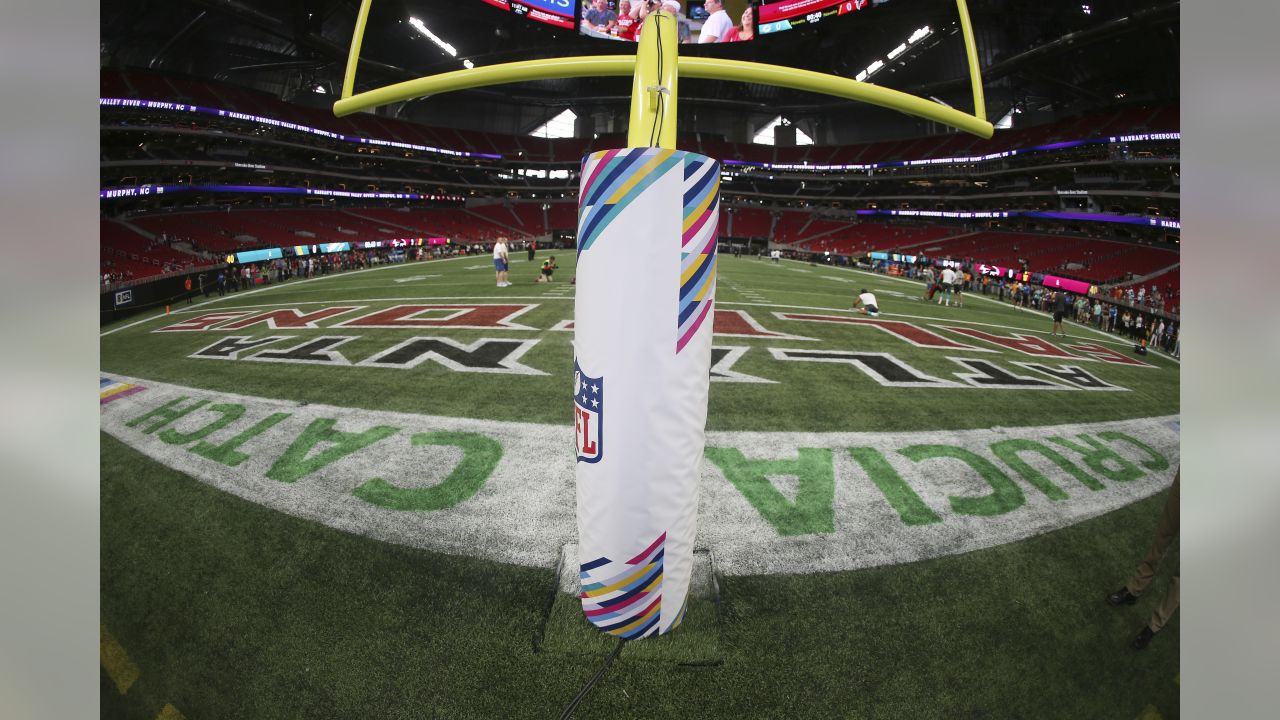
{"type": "Point", "coordinates": [647, 224]}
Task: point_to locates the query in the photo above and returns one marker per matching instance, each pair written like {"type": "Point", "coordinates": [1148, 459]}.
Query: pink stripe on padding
{"type": "Point", "coordinates": [122, 393]}
{"type": "Point", "coordinates": [620, 607]}
{"type": "Point", "coordinates": [608, 155]}
{"type": "Point", "coordinates": [694, 328]}
{"type": "Point", "coordinates": [697, 225]}
{"type": "Point", "coordinates": [644, 555]}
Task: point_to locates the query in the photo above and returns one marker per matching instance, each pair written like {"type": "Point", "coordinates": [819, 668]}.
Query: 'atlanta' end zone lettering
{"type": "Point", "coordinates": [487, 355]}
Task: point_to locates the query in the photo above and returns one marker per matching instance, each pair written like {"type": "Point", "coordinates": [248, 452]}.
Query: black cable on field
{"type": "Point", "coordinates": [586, 689]}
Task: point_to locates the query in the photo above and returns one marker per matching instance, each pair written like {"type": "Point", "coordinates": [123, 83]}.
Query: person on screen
{"type": "Point", "coordinates": [627, 21]}
{"type": "Point", "coordinates": [866, 304]}
{"type": "Point", "coordinates": [717, 24]}
{"type": "Point", "coordinates": [746, 32]}
{"type": "Point", "coordinates": [599, 17]}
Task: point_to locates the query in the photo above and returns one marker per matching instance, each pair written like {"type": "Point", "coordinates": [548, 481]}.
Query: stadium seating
{"type": "Point", "coordinates": [152, 86]}
{"type": "Point", "coordinates": [126, 251]}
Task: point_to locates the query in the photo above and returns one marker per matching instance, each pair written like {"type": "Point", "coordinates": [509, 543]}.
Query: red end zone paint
{"type": "Point", "coordinates": [730, 323]}
{"type": "Point", "coordinates": [289, 318]}
{"type": "Point", "coordinates": [480, 317]}
{"type": "Point", "coordinates": [1106, 354]}
{"type": "Point", "coordinates": [913, 334]}
{"type": "Point", "coordinates": [202, 322]}
{"type": "Point", "coordinates": [1025, 344]}
{"type": "Point", "coordinates": [739, 323]}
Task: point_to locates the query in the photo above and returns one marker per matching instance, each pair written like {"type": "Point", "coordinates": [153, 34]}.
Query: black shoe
{"type": "Point", "coordinates": [1143, 638]}
{"type": "Point", "coordinates": [1122, 597]}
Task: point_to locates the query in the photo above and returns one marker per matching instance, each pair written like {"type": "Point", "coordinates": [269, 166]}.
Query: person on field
{"type": "Point", "coordinates": [1166, 533]}
{"type": "Point", "coordinates": [948, 285]}
{"type": "Point", "coordinates": [866, 304]}
{"type": "Point", "coordinates": [1059, 310]}
{"type": "Point", "coordinates": [500, 261]}
{"type": "Point", "coordinates": [548, 267]}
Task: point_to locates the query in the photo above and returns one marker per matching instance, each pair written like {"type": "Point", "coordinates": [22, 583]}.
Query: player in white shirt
{"type": "Point", "coordinates": [948, 285]}
{"type": "Point", "coordinates": [717, 25]}
{"type": "Point", "coordinates": [500, 261]}
{"type": "Point", "coordinates": [866, 304]}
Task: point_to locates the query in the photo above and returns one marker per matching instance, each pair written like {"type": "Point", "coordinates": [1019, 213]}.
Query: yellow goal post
{"type": "Point", "coordinates": [656, 68]}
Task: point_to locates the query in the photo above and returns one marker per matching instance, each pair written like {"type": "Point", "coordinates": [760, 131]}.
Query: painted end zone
{"type": "Point", "coordinates": [770, 502]}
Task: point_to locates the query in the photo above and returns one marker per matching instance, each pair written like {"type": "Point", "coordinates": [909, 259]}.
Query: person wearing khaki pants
{"type": "Point", "coordinates": [1166, 533]}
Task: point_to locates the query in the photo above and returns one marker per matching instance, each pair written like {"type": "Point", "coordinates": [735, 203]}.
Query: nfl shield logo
{"type": "Point", "coordinates": [588, 415]}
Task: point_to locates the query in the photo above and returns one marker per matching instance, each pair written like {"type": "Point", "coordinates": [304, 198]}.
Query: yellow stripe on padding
{"type": "Point", "coordinates": [121, 669]}
{"type": "Point", "coordinates": [693, 268]}
{"type": "Point", "coordinates": [639, 174]}
{"type": "Point", "coordinates": [692, 217]}
{"type": "Point", "coordinates": [623, 582]}
{"type": "Point", "coordinates": [706, 285]}
{"type": "Point", "coordinates": [637, 622]}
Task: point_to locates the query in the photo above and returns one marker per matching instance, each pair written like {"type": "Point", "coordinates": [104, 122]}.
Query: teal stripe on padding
{"type": "Point", "coordinates": [602, 219]}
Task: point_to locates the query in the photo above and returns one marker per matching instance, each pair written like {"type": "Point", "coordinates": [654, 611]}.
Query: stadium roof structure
{"type": "Point", "coordinates": [1064, 58]}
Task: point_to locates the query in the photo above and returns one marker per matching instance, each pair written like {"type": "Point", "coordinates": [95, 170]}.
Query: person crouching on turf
{"type": "Point", "coordinates": [867, 301]}
{"type": "Point", "coordinates": [548, 267]}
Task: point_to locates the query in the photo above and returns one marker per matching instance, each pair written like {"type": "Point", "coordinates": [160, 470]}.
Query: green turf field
{"type": "Point", "coordinates": [898, 530]}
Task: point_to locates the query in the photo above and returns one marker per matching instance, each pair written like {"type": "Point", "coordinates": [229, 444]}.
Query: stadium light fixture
{"type": "Point", "coordinates": [919, 34]}
{"type": "Point", "coordinates": [422, 28]}
{"type": "Point", "coordinates": [897, 51]}
{"type": "Point", "coordinates": [468, 64]}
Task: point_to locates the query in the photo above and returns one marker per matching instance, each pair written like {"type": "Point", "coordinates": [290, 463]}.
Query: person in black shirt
{"type": "Point", "coordinates": [1059, 309]}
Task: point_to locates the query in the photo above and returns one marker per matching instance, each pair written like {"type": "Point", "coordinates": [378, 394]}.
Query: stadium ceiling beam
{"type": "Point", "coordinates": [164, 49]}
{"type": "Point", "coordinates": [274, 25]}
{"type": "Point", "coordinates": [1068, 86]}
{"type": "Point", "coordinates": [1067, 43]}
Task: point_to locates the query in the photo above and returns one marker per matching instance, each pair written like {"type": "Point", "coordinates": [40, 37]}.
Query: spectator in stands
{"type": "Point", "coordinates": [866, 304]}
{"type": "Point", "coordinates": [717, 25]}
{"type": "Point", "coordinates": [500, 259]}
